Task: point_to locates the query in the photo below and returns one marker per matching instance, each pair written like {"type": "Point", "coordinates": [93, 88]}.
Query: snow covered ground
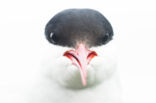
{"type": "Point", "coordinates": [23, 45]}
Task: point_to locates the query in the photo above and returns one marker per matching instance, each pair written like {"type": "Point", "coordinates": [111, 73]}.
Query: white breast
{"type": "Point", "coordinates": [60, 82]}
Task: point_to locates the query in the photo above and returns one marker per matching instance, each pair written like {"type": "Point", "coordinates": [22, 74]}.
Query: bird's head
{"type": "Point", "coordinates": [79, 29]}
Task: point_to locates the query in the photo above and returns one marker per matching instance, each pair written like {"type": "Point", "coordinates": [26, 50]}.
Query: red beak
{"type": "Point", "coordinates": [81, 57]}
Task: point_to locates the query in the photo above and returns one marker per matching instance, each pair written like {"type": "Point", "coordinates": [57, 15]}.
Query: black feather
{"type": "Point", "coordinates": [79, 25]}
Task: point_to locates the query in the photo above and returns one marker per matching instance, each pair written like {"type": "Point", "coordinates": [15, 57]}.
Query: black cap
{"type": "Point", "coordinates": [73, 26]}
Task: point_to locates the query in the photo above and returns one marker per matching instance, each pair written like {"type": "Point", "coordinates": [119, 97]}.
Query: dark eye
{"type": "Point", "coordinates": [106, 38]}
{"type": "Point", "coordinates": [52, 38]}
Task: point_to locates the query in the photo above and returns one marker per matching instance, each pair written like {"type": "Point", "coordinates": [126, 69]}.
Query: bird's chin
{"type": "Point", "coordinates": [67, 75]}
{"type": "Point", "coordinates": [71, 78]}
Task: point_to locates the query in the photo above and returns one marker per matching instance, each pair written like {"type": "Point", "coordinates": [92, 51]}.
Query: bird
{"type": "Point", "coordinates": [75, 72]}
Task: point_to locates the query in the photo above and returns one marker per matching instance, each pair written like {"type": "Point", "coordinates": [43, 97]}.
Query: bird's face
{"type": "Point", "coordinates": [79, 29]}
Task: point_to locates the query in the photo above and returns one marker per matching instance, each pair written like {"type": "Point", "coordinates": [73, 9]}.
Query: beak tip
{"type": "Point", "coordinates": [84, 84]}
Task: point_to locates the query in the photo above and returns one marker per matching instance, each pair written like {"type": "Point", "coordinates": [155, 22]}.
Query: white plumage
{"type": "Point", "coordinates": [59, 81]}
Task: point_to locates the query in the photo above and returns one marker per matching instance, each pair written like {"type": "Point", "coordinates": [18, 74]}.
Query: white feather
{"type": "Point", "coordinates": [60, 82]}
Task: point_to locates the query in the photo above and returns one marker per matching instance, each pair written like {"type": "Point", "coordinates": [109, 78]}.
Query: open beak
{"type": "Point", "coordinates": [81, 57]}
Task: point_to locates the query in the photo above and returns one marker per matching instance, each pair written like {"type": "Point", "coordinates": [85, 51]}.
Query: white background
{"type": "Point", "coordinates": [134, 21]}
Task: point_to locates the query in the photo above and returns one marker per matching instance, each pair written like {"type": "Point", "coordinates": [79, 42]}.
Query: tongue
{"type": "Point", "coordinates": [81, 57]}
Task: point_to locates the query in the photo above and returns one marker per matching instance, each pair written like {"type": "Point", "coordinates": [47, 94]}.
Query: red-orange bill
{"type": "Point", "coordinates": [81, 57]}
